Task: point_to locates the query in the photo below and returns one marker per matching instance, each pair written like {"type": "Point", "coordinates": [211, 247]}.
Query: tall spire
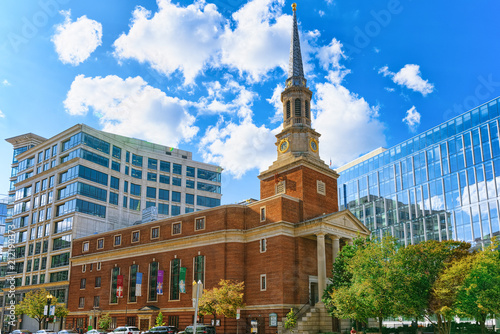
{"type": "Point", "coordinates": [295, 70]}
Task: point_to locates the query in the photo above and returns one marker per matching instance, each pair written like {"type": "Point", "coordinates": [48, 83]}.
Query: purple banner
{"type": "Point", "coordinates": [159, 285]}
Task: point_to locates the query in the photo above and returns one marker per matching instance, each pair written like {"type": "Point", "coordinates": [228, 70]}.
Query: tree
{"type": "Point", "coordinates": [105, 322]}
{"type": "Point", "coordinates": [479, 294]}
{"type": "Point", "coordinates": [159, 320]}
{"type": "Point", "coordinates": [222, 300]}
{"type": "Point", "coordinates": [33, 305]}
{"type": "Point", "coordinates": [416, 270]}
{"type": "Point", "coordinates": [61, 312]}
{"type": "Point", "coordinates": [361, 286]}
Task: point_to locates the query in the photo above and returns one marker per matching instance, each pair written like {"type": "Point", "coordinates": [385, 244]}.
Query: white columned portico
{"type": "Point", "coordinates": [320, 240]}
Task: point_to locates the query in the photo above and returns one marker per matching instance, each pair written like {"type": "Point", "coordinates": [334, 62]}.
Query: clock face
{"type": "Point", "coordinates": [313, 143]}
{"type": "Point", "coordinates": [283, 145]}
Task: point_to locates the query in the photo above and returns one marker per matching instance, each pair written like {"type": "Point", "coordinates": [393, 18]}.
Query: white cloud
{"type": "Point", "coordinates": [412, 119]}
{"type": "Point", "coordinates": [260, 41]}
{"type": "Point", "coordinates": [239, 147]}
{"type": "Point", "coordinates": [5, 82]}
{"type": "Point", "coordinates": [75, 41]}
{"type": "Point", "coordinates": [174, 38]}
{"type": "Point", "coordinates": [329, 58]}
{"type": "Point", "coordinates": [409, 76]}
{"type": "Point", "coordinates": [341, 114]}
{"type": "Point", "coordinates": [321, 13]}
{"type": "Point", "coordinates": [132, 108]}
{"type": "Point", "coordinates": [2, 115]}
{"type": "Point", "coordinates": [389, 89]}
{"type": "Point", "coordinates": [275, 101]}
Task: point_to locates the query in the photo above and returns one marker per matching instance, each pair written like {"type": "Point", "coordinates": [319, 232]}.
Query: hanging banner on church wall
{"type": "Point", "coordinates": [159, 285]}
{"type": "Point", "coordinates": [138, 284]}
{"type": "Point", "coordinates": [182, 280]}
{"type": "Point", "coordinates": [119, 286]}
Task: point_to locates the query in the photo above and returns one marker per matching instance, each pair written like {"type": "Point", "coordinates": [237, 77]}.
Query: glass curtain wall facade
{"type": "Point", "coordinates": [442, 184]}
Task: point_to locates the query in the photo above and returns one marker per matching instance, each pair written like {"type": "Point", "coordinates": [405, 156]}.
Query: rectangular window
{"type": "Point", "coordinates": [175, 268]}
{"type": "Point", "coordinates": [190, 184]}
{"type": "Point", "coordinates": [176, 210]}
{"type": "Point", "coordinates": [132, 298]}
{"type": "Point", "coordinates": [114, 183]}
{"type": "Point", "coordinates": [152, 177]}
{"type": "Point", "coordinates": [190, 171]}
{"type": "Point", "coordinates": [165, 166]}
{"type": "Point", "coordinates": [189, 199]}
{"type": "Point", "coordinates": [153, 280]}
{"type": "Point", "coordinates": [150, 192]}
{"type": "Point", "coordinates": [176, 228]}
{"type": "Point", "coordinates": [100, 243]}
{"type": "Point", "coordinates": [136, 173]}
{"type": "Point", "coordinates": [162, 209]}
{"type": "Point", "coordinates": [136, 160]}
{"type": "Point", "coordinates": [135, 204]}
{"type": "Point", "coordinates": [176, 196]}
{"type": "Point", "coordinates": [115, 166]}
{"type": "Point", "coordinates": [163, 194]}
{"type": "Point", "coordinates": [135, 189]}
{"type": "Point", "coordinates": [263, 214]}
{"type": "Point", "coordinates": [199, 268]}
{"type": "Point", "coordinates": [114, 285]}
{"type": "Point", "coordinates": [155, 232]}
{"type": "Point", "coordinates": [117, 152]}
{"type": "Point", "coordinates": [200, 223]}
{"type": "Point", "coordinates": [177, 169]}
{"type": "Point", "coordinates": [125, 201]}
{"type": "Point", "coordinates": [135, 236]}
{"type": "Point", "coordinates": [176, 181]}
{"type": "Point", "coordinates": [84, 268]}
{"type": "Point", "coordinates": [164, 179]}
{"type": "Point", "coordinates": [81, 302]}
{"type": "Point", "coordinates": [85, 246]}
{"type": "Point", "coordinates": [113, 198]}
{"type": "Point", "coordinates": [118, 240]}
{"type": "Point", "coordinates": [263, 283]}
{"type": "Point", "coordinates": [97, 283]}
{"type": "Point", "coordinates": [60, 260]}
{"type": "Point", "coordinates": [83, 283]}
{"type": "Point", "coordinates": [96, 301]}
{"type": "Point", "coordinates": [152, 164]}
{"type": "Point", "coordinates": [207, 201]}
{"type": "Point", "coordinates": [263, 245]}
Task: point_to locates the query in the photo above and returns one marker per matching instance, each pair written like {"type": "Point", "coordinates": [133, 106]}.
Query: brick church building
{"type": "Point", "coordinates": [282, 246]}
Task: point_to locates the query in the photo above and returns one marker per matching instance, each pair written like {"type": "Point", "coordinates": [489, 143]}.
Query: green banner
{"type": "Point", "coordinates": [182, 280]}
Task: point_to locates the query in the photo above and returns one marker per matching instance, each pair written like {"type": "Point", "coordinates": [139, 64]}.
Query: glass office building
{"type": "Point", "coordinates": [439, 185]}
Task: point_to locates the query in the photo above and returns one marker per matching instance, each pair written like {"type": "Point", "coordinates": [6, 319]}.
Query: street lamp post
{"type": "Point", "coordinates": [49, 301]}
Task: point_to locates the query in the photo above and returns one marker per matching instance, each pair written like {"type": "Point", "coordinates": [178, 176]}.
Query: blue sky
{"type": "Point", "coordinates": [205, 76]}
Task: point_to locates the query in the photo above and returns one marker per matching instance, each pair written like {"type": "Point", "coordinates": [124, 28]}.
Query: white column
{"type": "Point", "coordinates": [335, 247]}
{"type": "Point", "coordinates": [320, 239]}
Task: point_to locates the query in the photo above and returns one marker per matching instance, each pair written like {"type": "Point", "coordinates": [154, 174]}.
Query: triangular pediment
{"type": "Point", "coordinates": [342, 224]}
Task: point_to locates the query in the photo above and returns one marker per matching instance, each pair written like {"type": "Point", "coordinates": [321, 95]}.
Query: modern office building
{"type": "Point", "coordinates": [441, 184]}
{"type": "Point", "coordinates": [83, 181]}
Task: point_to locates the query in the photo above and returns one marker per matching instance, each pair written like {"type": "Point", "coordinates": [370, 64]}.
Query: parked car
{"type": "Point", "coordinates": [162, 330]}
{"type": "Point", "coordinates": [20, 331]}
{"type": "Point", "coordinates": [67, 331]}
{"type": "Point", "coordinates": [45, 331]}
{"type": "Point", "coordinates": [127, 330]}
{"type": "Point", "coordinates": [200, 329]}
{"type": "Point", "coordinates": [96, 331]}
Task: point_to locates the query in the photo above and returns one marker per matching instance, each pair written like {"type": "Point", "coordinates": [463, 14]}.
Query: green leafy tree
{"type": "Point", "coordinates": [223, 299]}
{"type": "Point", "coordinates": [159, 320]}
{"type": "Point", "coordinates": [479, 294]}
{"type": "Point", "coordinates": [61, 313]}
{"type": "Point", "coordinates": [105, 322]}
{"type": "Point", "coordinates": [33, 305]}
{"type": "Point", "coordinates": [416, 270]}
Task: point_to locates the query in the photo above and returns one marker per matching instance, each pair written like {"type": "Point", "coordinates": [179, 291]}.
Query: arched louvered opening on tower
{"type": "Point", "coordinates": [298, 108]}
{"type": "Point", "coordinates": [288, 109]}
{"type": "Point", "coordinates": [308, 113]}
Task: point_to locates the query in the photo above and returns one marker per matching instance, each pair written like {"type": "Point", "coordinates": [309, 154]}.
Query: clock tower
{"type": "Point", "coordinates": [298, 171]}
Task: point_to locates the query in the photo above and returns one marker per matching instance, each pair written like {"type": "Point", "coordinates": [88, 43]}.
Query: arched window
{"type": "Point", "coordinates": [298, 111]}
{"type": "Point", "coordinates": [288, 109]}
{"type": "Point", "coordinates": [308, 114]}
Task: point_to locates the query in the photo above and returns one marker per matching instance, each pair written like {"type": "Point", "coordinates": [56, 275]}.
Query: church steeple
{"type": "Point", "coordinates": [295, 69]}
{"type": "Point", "coordinates": [298, 171]}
